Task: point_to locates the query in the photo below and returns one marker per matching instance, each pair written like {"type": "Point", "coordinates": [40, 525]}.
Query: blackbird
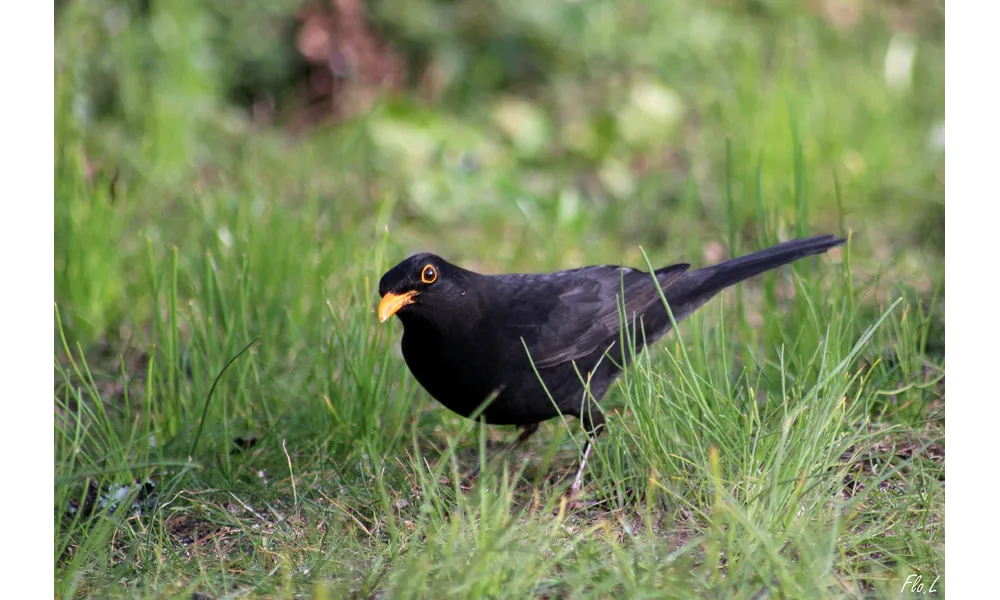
{"type": "Point", "coordinates": [527, 342]}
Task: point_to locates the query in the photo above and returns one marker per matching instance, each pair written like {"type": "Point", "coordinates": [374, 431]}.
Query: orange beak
{"type": "Point", "coordinates": [391, 303]}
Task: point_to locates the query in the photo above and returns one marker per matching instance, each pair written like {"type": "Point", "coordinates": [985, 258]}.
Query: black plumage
{"type": "Point", "coordinates": [468, 337]}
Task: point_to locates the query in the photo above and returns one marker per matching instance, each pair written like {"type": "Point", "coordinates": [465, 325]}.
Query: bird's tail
{"type": "Point", "coordinates": [696, 288]}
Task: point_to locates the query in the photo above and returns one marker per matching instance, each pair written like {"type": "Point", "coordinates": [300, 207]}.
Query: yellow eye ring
{"type": "Point", "coordinates": [429, 275]}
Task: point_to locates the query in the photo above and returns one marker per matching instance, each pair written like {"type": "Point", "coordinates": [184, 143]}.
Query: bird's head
{"type": "Point", "coordinates": [428, 287]}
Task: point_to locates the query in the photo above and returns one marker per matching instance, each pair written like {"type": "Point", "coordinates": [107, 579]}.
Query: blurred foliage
{"type": "Point", "coordinates": [646, 123]}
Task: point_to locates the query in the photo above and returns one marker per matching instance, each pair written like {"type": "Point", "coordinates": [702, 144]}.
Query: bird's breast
{"type": "Point", "coordinates": [458, 373]}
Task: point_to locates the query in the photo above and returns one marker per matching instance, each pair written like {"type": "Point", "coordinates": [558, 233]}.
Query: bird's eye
{"type": "Point", "coordinates": [429, 275]}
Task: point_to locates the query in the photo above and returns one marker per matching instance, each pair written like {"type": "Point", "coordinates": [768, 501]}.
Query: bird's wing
{"type": "Point", "coordinates": [567, 315]}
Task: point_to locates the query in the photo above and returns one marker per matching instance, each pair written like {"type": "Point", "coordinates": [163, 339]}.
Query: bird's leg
{"type": "Point", "coordinates": [593, 424]}
{"type": "Point", "coordinates": [573, 489]}
{"type": "Point", "coordinates": [526, 432]}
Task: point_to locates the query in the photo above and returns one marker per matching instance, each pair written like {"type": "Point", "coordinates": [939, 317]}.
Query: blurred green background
{"type": "Point", "coordinates": [232, 169]}
{"type": "Point", "coordinates": [524, 134]}
{"type": "Point", "coordinates": [516, 134]}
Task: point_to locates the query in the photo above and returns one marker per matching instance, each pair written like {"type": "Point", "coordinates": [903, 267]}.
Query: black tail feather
{"type": "Point", "coordinates": [733, 271]}
{"type": "Point", "coordinates": [698, 287]}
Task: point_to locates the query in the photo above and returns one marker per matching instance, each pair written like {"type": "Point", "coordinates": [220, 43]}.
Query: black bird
{"type": "Point", "coordinates": [468, 337]}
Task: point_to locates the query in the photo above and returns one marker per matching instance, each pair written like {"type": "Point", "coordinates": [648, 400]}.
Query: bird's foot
{"type": "Point", "coordinates": [573, 503]}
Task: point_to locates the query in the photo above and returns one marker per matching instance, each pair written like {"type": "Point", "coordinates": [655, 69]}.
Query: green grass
{"type": "Point", "coordinates": [216, 281]}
